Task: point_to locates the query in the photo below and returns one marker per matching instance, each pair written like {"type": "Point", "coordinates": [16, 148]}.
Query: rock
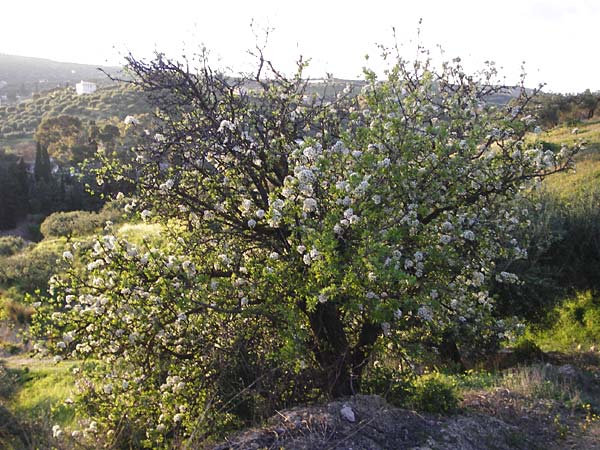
{"type": "Point", "coordinates": [567, 370]}
{"type": "Point", "coordinates": [367, 422]}
{"type": "Point", "coordinates": [347, 413]}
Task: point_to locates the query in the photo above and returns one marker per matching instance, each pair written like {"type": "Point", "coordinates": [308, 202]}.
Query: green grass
{"type": "Point", "coordinates": [140, 232]}
{"type": "Point", "coordinates": [587, 168]}
{"type": "Point", "coordinates": [587, 132]}
{"type": "Point", "coordinates": [576, 326]}
{"type": "Point", "coordinates": [41, 390]}
{"type": "Point", "coordinates": [579, 183]}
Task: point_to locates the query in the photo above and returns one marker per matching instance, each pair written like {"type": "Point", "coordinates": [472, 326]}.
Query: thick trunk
{"type": "Point", "coordinates": [342, 364]}
{"type": "Point", "coordinates": [449, 351]}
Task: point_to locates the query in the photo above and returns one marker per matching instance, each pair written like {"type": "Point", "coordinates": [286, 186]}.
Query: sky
{"type": "Point", "coordinates": [557, 39]}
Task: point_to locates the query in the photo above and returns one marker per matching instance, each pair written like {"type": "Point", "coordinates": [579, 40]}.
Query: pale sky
{"type": "Point", "coordinates": [558, 39]}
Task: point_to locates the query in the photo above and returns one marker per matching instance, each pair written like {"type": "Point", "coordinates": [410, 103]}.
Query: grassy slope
{"type": "Point", "coordinates": [587, 172]}
{"type": "Point", "coordinates": [43, 388]}
{"type": "Point", "coordinates": [576, 322]}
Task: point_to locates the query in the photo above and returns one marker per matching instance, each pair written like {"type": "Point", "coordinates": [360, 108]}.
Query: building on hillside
{"type": "Point", "coordinates": [85, 87]}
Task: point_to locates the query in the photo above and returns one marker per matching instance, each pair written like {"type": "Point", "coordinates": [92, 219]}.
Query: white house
{"type": "Point", "coordinates": [85, 87]}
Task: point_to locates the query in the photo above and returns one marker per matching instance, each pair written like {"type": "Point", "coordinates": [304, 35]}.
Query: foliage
{"type": "Point", "coordinates": [9, 245]}
{"type": "Point", "coordinates": [116, 101]}
{"type": "Point", "coordinates": [319, 232]}
{"type": "Point", "coordinates": [575, 325]}
{"type": "Point", "coordinates": [18, 313]}
{"type": "Point", "coordinates": [13, 190]}
{"type": "Point", "coordinates": [69, 224]}
{"type": "Point", "coordinates": [564, 251]}
{"type": "Point", "coordinates": [434, 393]}
{"type": "Point", "coordinates": [527, 350]}
{"type": "Point", "coordinates": [431, 392]}
{"type": "Point", "coordinates": [553, 109]}
{"type": "Point", "coordinates": [65, 139]}
{"type": "Point", "coordinates": [31, 269]}
{"type": "Point", "coordinates": [392, 384]}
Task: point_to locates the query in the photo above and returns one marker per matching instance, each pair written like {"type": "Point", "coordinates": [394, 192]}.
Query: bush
{"type": "Point", "coordinates": [70, 224]}
{"type": "Point", "coordinates": [527, 351]}
{"type": "Point", "coordinates": [392, 384]}
{"type": "Point", "coordinates": [31, 269]}
{"type": "Point", "coordinates": [564, 250]}
{"type": "Point", "coordinates": [9, 245]}
{"type": "Point", "coordinates": [18, 313]}
{"type": "Point", "coordinates": [434, 393]}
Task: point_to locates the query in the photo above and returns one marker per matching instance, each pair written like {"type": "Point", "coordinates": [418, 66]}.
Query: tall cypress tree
{"type": "Point", "coordinates": [43, 167]}
{"type": "Point", "coordinates": [22, 185]}
{"type": "Point", "coordinates": [9, 193]}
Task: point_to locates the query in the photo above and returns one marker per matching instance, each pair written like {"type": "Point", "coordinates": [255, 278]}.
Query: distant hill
{"type": "Point", "coordinates": [22, 76]}
{"type": "Point", "coordinates": [114, 101]}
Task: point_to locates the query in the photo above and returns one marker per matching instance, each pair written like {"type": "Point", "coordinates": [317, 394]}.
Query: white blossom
{"type": "Point", "coordinates": [469, 235]}
{"type": "Point", "coordinates": [386, 328]}
{"type": "Point", "coordinates": [167, 185]}
{"type": "Point", "coordinates": [309, 205]}
{"type": "Point", "coordinates": [56, 431]}
{"type": "Point", "coordinates": [225, 125]}
{"type": "Point", "coordinates": [384, 163]}
{"type": "Point", "coordinates": [425, 313]}
{"type": "Point", "coordinates": [478, 278]}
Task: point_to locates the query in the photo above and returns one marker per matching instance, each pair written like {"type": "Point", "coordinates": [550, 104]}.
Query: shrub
{"type": "Point", "coordinates": [31, 269]}
{"type": "Point", "coordinates": [527, 350]}
{"type": "Point", "coordinates": [9, 245]}
{"type": "Point", "coordinates": [392, 384]}
{"type": "Point", "coordinates": [70, 224]}
{"type": "Point", "coordinates": [18, 313]}
{"type": "Point", "coordinates": [434, 393]}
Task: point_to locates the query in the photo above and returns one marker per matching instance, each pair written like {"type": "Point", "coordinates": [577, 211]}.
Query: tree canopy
{"type": "Point", "coordinates": [312, 231]}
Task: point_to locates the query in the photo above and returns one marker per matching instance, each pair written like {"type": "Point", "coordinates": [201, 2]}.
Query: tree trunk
{"type": "Point", "coordinates": [342, 365]}
{"type": "Point", "coordinates": [449, 351]}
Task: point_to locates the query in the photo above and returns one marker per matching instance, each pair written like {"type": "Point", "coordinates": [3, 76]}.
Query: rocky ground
{"type": "Point", "coordinates": [498, 419]}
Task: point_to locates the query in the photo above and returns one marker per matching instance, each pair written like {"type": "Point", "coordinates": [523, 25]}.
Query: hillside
{"type": "Point", "coordinates": [21, 76]}
{"type": "Point", "coordinates": [22, 119]}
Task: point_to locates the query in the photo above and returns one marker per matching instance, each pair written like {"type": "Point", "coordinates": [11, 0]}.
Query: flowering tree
{"type": "Point", "coordinates": [311, 225]}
